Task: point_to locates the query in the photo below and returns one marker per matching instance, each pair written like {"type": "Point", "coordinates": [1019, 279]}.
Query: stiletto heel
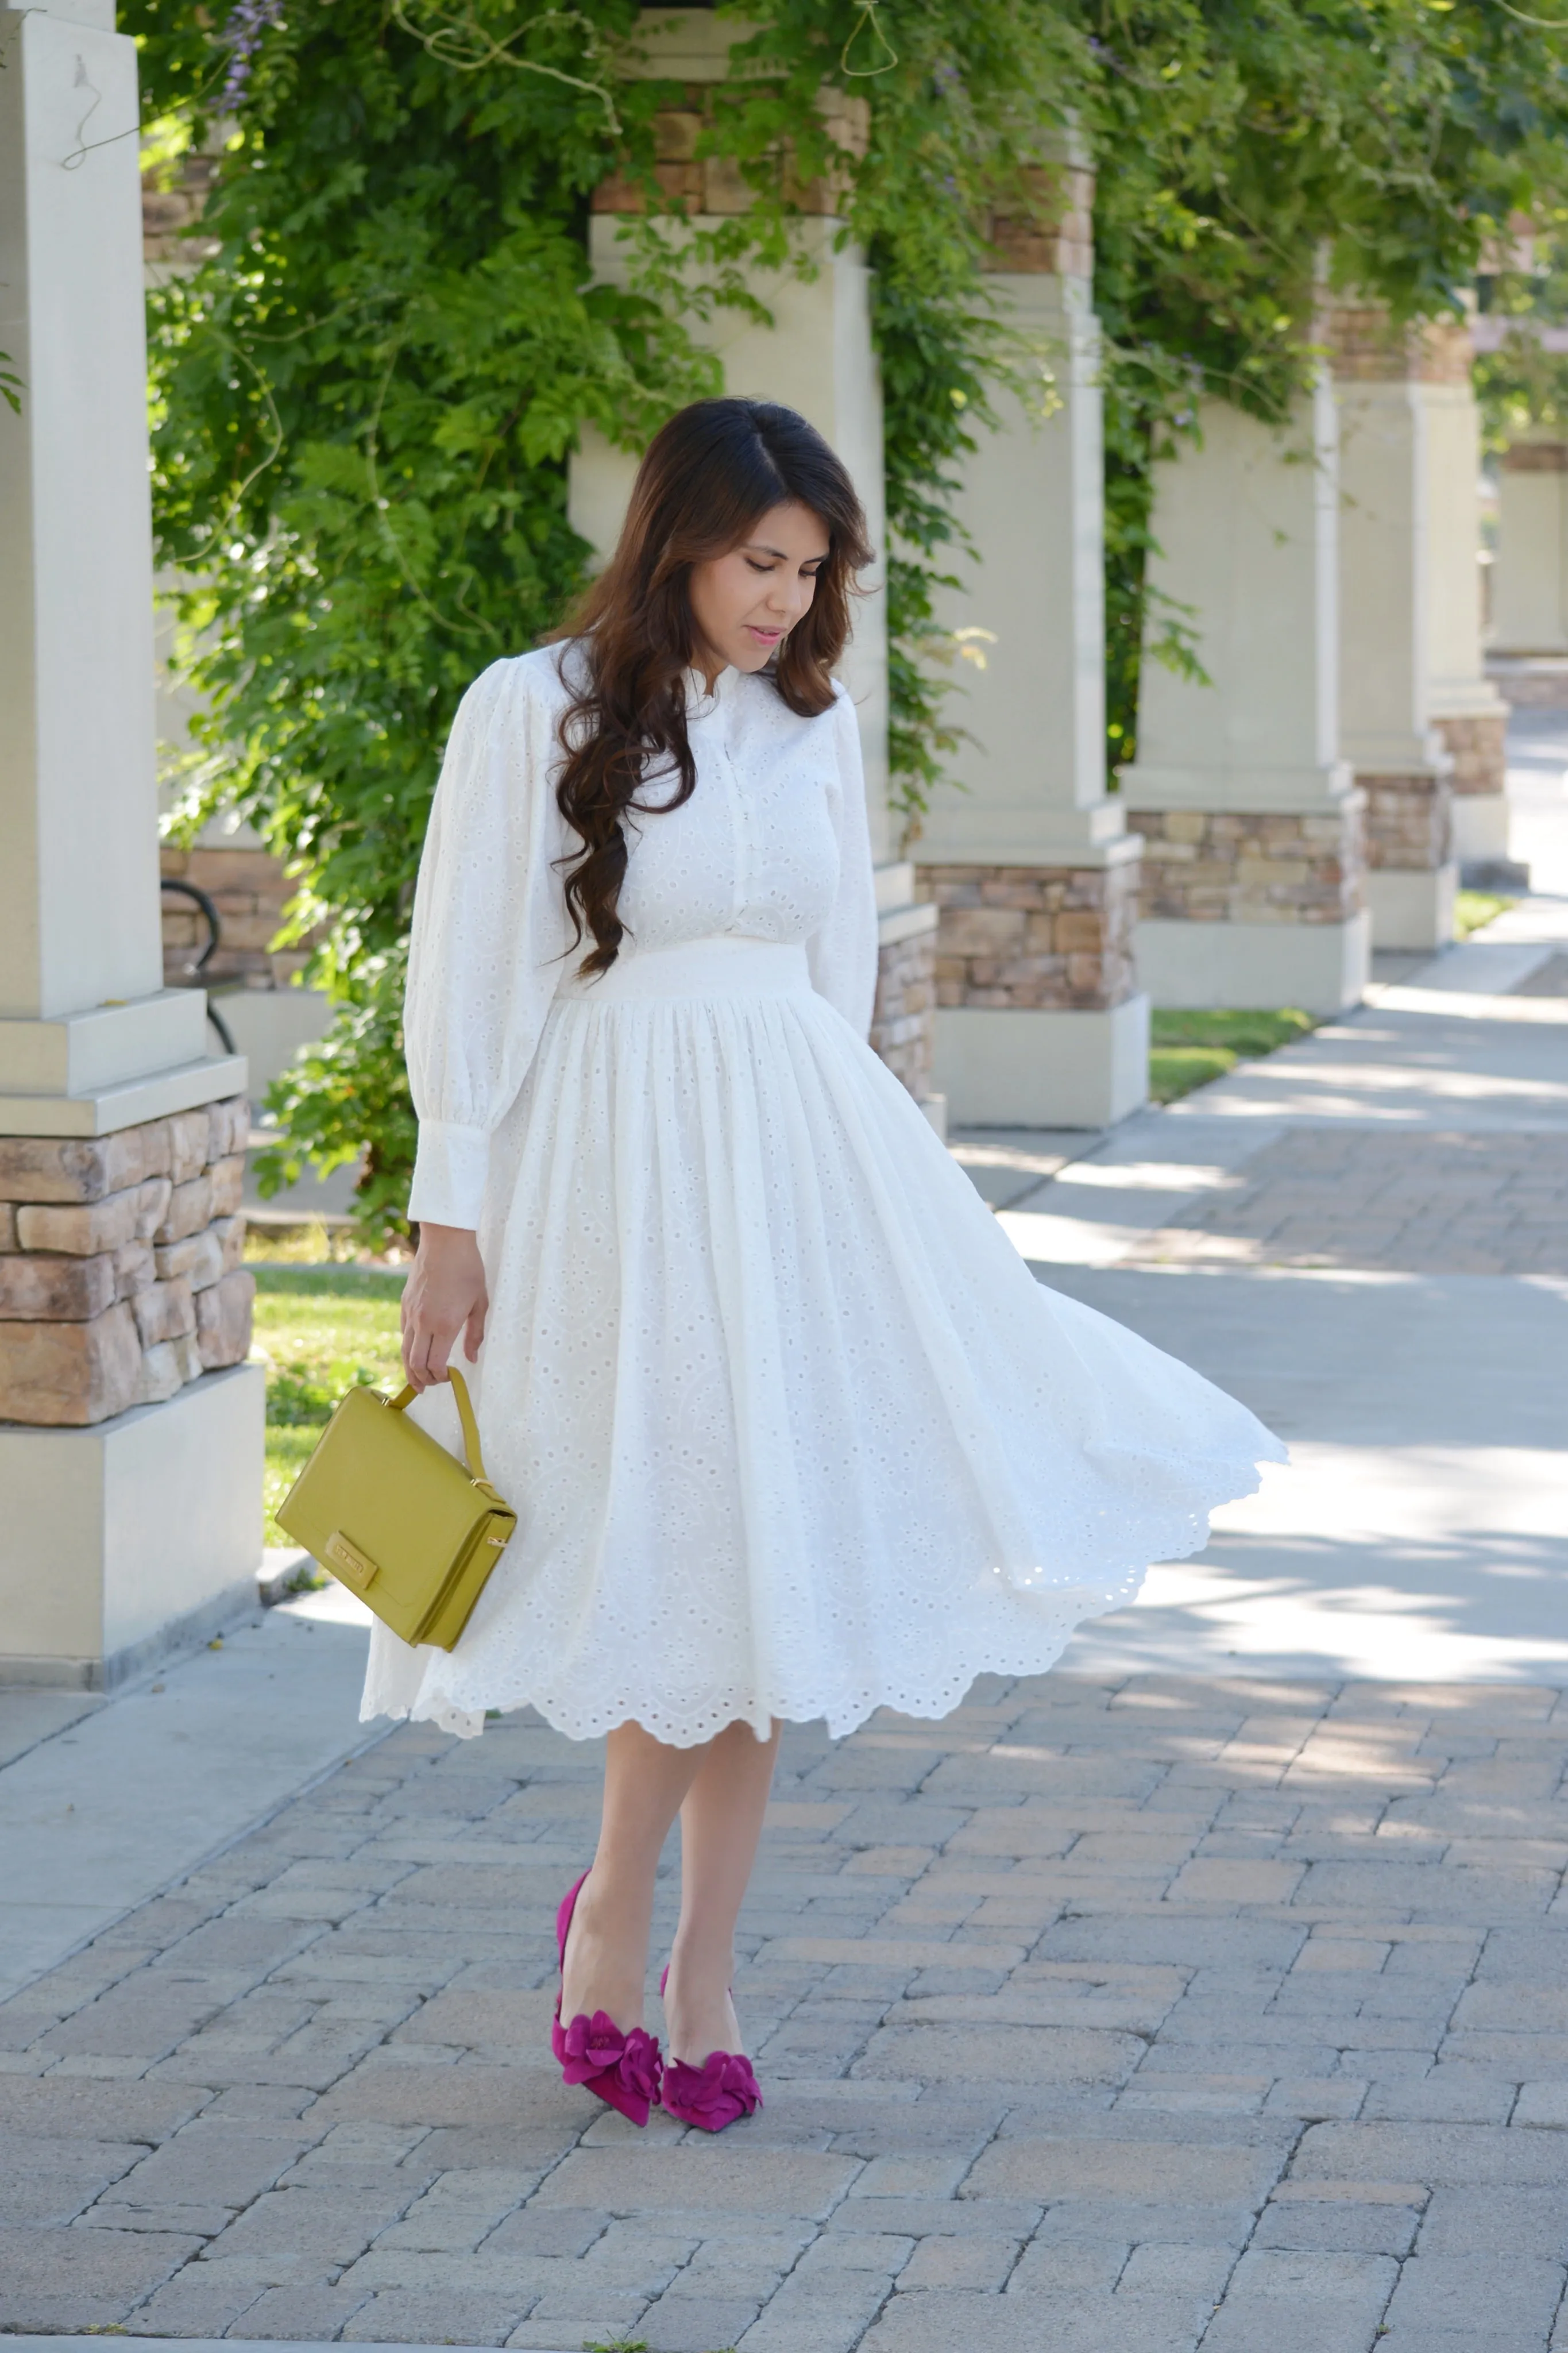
{"type": "Point", "coordinates": [719, 2093]}
{"type": "Point", "coordinates": [623, 2070]}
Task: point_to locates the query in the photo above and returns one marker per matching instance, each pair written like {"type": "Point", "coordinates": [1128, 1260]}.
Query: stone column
{"type": "Point", "coordinates": [1530, 588]}
{"type": "Point", "coordinates": [816, 357]}
{"type": "Point", "coordinates": [131, 1431]}
{"type": "Point", "coordinates": [1388, 384]}
{"type": "Point", "coordinates": [1039, 1021]}
{"type": "Point", "coordinates": [1468, 712]}
{"type": "Point", "coordinates": [1253, 828]}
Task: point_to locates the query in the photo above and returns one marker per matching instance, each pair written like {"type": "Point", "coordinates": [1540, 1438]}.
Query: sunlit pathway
{"type": "Point", "coordinates": [1145, 2014]}
{"type": "Point", "coordinates": [1208, 1992]}
{"type": "Point", "coordinates": [1365, 1236]}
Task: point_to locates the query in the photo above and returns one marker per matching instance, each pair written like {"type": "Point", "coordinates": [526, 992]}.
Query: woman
{"type": "Point", "coordinates": [792, 1429]}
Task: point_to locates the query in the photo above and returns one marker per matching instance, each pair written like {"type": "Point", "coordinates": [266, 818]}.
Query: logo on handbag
{"type": "Point", "coordinates": [356, 1568]}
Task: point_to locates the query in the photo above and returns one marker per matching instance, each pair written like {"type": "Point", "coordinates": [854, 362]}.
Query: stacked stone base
{"type": "Point", "coordinates": [1409, 822]}
{"type": "Point", "coordinates": [120, 1274]}
{"type": "Point", "coordinates": [902, 1025]}
{"type": "Point", "coordinates": [1411, 875]}
{"type": "Point", "coordinates": [1038, 1022]}
{"type": "Point", "coordinates": [1477, 742]}
{"type": "Point", "coordinates": [1233, 866]}
{"type": "Point", "coordinates": [1262, 908]}
{"type": "Point", "coordinates": [1530, 681]}
{"type": "Point", "coordinates": [1033, 938]}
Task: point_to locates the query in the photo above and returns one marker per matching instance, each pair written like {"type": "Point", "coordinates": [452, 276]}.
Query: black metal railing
{"type": "Point", "coordinates": [198, 964]}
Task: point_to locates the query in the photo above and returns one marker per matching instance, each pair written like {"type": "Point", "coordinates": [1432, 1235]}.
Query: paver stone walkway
{"type": "Point", "coordinates": [1123, 2011]}
{"type": "Point", "coordinates": [1132, 2016]}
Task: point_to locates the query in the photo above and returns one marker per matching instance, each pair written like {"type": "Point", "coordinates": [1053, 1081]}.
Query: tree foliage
{"type": "Point", "coordinates": [1522, 380]}
{"type": "Point", "coordinates": [366, 396]}
{"type": "Point", "coordinates": [367, 392]}
{"type": "Point", "coordinates": [1256, 158]}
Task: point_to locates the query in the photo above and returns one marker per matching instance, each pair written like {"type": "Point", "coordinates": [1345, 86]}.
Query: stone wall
{"type": "Point", "coordinates": [1055, 237]}
{"type": "Point", "coordinates": [1531, 682]}
{"type": "Point", "coordinates": [1366, 347]}
{"type": "Point", "coordinates": [1228, 866]}
{"type": "Point", "coordinates": [715, 184]}
{"type": "Point", "coordinates": [172, 201]}
{"type": "Point", "coordinates": [250, 890]}
{"type": "Point", "coordinates": [1027, 938]}
{"type": "Point", "coordinates": [906, 996]}
{"type": "Point", "coordinates": [1409, 821]}
{"type": "Point", "coordinates": [119, 1264]}
{"type": "Point", "coordinates": [1477, 742]}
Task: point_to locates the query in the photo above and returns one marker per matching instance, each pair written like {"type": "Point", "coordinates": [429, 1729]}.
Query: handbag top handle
{"type": "Point", "coordinates": [476, 1460]}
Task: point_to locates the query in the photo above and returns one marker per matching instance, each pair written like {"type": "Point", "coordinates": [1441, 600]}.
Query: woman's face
{"type": "Point", "coordinates": [745, 604]}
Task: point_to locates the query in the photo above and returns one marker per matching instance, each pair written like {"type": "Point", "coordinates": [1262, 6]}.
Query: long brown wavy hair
{"type": "Point", "coordinates": [710, 475]}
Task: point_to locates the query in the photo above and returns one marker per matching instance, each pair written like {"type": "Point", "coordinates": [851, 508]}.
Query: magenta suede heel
{"type": "Point", "coordinates": [719, 2093]}
{"type": "Point", "coordinates": [623, 2070]}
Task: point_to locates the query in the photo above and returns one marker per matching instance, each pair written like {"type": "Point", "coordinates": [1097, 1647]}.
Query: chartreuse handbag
{"type": "Point", "coordinates": [399, 1521]}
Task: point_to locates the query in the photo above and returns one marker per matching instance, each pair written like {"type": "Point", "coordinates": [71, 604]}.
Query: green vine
{"type": "Point", "coordinates": [1524, 383]}
{"type": "Point", "coordinates": [469, 47]}
{"type": "Point", "coordinates": [1254, 161]}
{"type": "Point", "coordinates": [366, 398]}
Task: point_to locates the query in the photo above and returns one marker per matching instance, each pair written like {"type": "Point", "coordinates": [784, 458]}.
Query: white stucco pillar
{"type": "Point", "coordinates": [130, 1465]}
{"type": "Point", "coordinates": [1468, 712]}
{"type": "Point", "coordinates": [1039, 1019]}
{"type": "Point", "coordinates": [1387, 385]}
{"type": "Point", "coordinates": [815, 356]}
{"type": "Point", "coordinates": [1252, 824]}
{"type": "Point", "coordinates": [1529, 587]}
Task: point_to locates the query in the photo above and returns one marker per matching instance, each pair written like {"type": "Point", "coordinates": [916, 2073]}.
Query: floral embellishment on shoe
{"type": "Point", "coordinates": [624, 2068]}
{"type": "Point", "coordinates": [719, 2093]}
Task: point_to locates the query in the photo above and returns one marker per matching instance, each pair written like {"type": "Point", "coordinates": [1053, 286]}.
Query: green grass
{"type": "Point", "coordinates": [1472, 909]}
{"type": "Point", "coordinates": [319, 1331]}
{"type": "Point", "coordinates": [1188, 1049]}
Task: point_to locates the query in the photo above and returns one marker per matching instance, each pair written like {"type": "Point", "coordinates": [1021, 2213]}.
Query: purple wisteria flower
{"type": "Point", "coordinates": [243, 33]}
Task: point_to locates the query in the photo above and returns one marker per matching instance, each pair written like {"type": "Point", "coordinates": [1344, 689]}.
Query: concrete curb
{"type": "Point", "coordinates": [204, 2344]}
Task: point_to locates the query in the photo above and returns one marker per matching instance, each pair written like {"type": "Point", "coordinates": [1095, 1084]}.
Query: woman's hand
{"type": "Point", "coordinates": [445, 1295]}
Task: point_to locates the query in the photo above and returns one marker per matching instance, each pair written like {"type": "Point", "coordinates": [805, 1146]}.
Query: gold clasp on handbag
{"type": "Point", "coordinates": [356, 1568]}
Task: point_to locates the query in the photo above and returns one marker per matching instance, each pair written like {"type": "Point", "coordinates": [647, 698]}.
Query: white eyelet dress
{"type": "Point", "coordinates": [789, 1426]}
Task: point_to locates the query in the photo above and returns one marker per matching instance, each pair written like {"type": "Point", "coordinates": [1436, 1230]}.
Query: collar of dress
{"type": "Point", "coordinates": [700, 702]}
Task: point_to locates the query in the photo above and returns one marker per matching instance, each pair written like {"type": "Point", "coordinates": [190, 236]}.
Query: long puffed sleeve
{"type": "Point", "coordinates": [489, 929]}
{"type": "Point", "coordinates": [842, 955]}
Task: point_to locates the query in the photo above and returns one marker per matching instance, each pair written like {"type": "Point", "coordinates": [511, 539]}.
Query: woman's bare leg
{"type": "Point", "coordinates": [721, 1823]}
{"type": "Point", "coordinates": [645, 1783]}
{"type": "Point", "coordinates": [720, 1790]}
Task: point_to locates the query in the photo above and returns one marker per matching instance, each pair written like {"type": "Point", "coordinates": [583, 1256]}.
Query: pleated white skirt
{"type": "Point", "coordinates": [790, 1428]}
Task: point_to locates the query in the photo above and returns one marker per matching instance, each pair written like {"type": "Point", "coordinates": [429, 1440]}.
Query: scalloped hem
{"type": "Point", "coordinates": [844, 1713]}
{"type": "Point", "coordinates": [1040, 1622]}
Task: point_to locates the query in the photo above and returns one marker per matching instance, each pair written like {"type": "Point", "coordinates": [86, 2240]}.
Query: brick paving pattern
{"type": "Point", "coordinates": [1381, 1199]}
{"type": "Point", "coordinates": [1142, 2015]}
